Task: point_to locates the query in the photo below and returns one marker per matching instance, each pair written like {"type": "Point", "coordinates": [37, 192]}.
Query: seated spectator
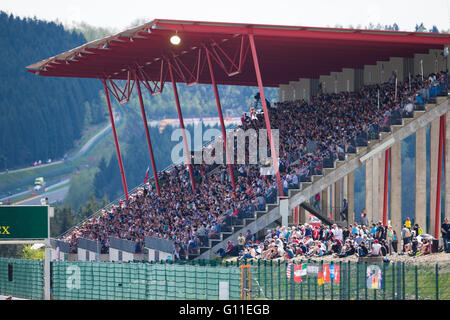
{"type": "Point", "coordinates": [362, 250]}
{"type": "Point", "coordinates": [376, 249]}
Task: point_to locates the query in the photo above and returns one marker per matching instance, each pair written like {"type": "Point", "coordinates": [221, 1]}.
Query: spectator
{"type": "Point", "coordinates": [241, 242]}
{"type": "Point", "coordinates": [376, 249]}
{"type": "Point", "coordinates": [406, 237]}
{"type": "Point", "coordinates": [445, 233]}
{"type": "Point", "coordinates": [394, 241]}
{"type": "Point", "coordinates": [364, 220]}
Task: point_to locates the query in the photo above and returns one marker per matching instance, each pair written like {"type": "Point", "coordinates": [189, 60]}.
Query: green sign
{"type": "Point", "coordinates": [23, 222]}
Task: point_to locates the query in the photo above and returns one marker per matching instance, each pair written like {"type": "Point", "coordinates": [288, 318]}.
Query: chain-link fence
{"type": "Point", "coordinates": [209, 280]}
{"type": "Point", "coordinates": [309, 280]}
{"type": "Point", "coordinates": [148, 281]}
{"type": "Point", "coordinates": [22, 278]}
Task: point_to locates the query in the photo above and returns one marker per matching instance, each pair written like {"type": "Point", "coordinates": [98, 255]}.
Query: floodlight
{"type": "Point", "coordinates": [175, 40]}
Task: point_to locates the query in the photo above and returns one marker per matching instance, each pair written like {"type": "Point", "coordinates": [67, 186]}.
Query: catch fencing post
{"type": "Point", "coordinates": [416, 282]}
{"type": "Point", "coordinates": [265, 278]}
{"type": "Point", "coordinates": [393, 281]}
{"type": "Point", "coordinates": [279, 280]}
{"type": "Point", "coordinates": [399, 280]}
{"type": "Point", "coordinates": [437, 281]}
{"type": "Point", "coordinates": [286, 282]}
{"type": "Point", "coordinates": [292, 283]}
{"type": "Point", "coordinates": [48, 257]}
{"type": "Point", "coordinates": [271, 278]}
{"type": "Point", "coordinates": [384, 281]}
{"type": "Point", "coordinates": [403, 281]}
{"type": "Point", "coordinates": [365, 284]}
{"type": "Point", "coordinates": [357, 281]}
{"type": "Point", "coordinates": [349, 266]}
{"type": "Point", "coordinates": [332, 280]}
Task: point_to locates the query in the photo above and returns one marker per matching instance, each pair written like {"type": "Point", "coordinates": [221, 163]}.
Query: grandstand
{"type": "Point", "coordinates": [347, 98]}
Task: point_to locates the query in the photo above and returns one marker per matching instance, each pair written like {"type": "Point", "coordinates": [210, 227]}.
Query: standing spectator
{"type": "Point", "coordinates": [394, 241]}
{"type": "Point", "coordinates": [344, 211]}
{"type": "Point", "coordinates": [364, 220]}
{"type": "Point", "coordinates": [248, 237]}
{"type": "Point", "coordinates": [417, 229]}
{"type": "Point", "coordinates": [406, 237]}
{"type": "Point", "coordinates": [390, 238]}
{"type": "Point", "coordinates": [379, 233]}
{"type": "Point", "coordinates": [241, 242]}
{"type": "Point", "coordinates": [337, 233]}
{"type": "Point", "coordinates": [445, 230]}
{"type": "Point", "coordinates": [408, 223]}
{"type": "Point", "coordinates": [317, 201]}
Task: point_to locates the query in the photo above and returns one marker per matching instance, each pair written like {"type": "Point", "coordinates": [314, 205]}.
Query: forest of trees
{"type": "Point", "coordinates": [40, 117]}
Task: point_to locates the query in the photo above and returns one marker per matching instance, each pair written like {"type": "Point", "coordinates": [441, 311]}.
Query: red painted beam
{"type": "Point", "coordinates": [116, 141]}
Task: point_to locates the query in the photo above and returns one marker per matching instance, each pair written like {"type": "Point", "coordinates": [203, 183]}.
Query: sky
{"type": "Point", "coordinates": [119, 15]}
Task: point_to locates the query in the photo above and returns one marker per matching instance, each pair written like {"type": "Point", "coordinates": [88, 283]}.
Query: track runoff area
{"type": "Point", "coordinates": [194, 52]}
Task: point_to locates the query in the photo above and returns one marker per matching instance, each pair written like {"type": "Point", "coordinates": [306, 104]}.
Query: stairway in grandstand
{"type": "Point", "coordinates": [399, 129]}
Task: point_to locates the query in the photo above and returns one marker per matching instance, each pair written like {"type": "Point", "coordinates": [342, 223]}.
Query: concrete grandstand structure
{"type": "Point", "coordinates": [302, 62]}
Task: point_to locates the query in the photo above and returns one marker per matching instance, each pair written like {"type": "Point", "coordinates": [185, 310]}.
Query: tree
{"type": "Point", "coordinates": [33, 254]}
{"type": "Point", "coordinates": [421, 28]}
{"type": "Point", "coordinates": [434, 29]}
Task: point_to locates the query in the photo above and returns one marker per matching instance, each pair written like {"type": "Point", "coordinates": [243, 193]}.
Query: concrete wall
{"type": "Point", "coordinates": [113, 254]}
{"type": "Point", "coordinates": [54, 256]}
{"type": "Point", "coordinates": [285, 93]}
{"type": "Point", "coordinates": [92, 256]}
{"type": "Point", "coordinates": [352, 79]}
{"type": "Point", "coordinates": [371, 74]}
{"type": "Point", "coordinates": [432, 62]}
{"type": "Point", "coordinates": [295, 90]}
{"type": "Point", "coordinates": [81, 254]}
{"type": "Point", "coordinates": [152, 255]}
{"type": "Point", "coordinates": [327, 82]}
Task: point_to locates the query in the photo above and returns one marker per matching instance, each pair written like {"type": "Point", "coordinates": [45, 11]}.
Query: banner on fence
{"type": "Point", "coordinates": [299, 271]}
{"type": "Point", "coordinates": [312, 268]}
{"type": "Point", "coordinates": [336, 273]}
{"type": "Point", "coordinates": [326, 272]}
{"type": "Point", "coordinates": [374, 277]}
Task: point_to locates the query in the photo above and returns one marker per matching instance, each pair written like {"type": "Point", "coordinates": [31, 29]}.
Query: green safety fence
{"type": "Point", "coordinates": [142, 281]}
{"type": "Point", "coordinates": [354, 281]}
{"type": "Point", "coordinates": [22, 278]}
{"type": "Point", "coordinates": [201, 280]}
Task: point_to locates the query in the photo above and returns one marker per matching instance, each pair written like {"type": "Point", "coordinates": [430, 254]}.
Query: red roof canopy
{"type": "Point", "coordinates": [285, 53]}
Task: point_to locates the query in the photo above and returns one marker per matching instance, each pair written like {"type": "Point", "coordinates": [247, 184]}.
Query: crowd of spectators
{"type": "Point", "coordinates": [327, 127]}
{"type": "Point", "coordinates": [307, 240]}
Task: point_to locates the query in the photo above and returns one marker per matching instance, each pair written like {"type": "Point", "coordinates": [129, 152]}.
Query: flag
{"type": "Point", "coordinates": [146, 175]}
{"type": "Point", "coordinates": [336, 274]}
{"type": "Point", "coordinates": [288, 270]}
{"type": "Point", "coordinates": [320, 278]}
{"type": "Point", "coordinates": [303, 269]}
{"type": "Point", "coordinates": [375, 282]}
{"type": "Point", "coordinates": [326, 272]}
{"type": "Point", "coordinates": [332, 271]}
{"type": "Point", "coordinates": [299, 270]}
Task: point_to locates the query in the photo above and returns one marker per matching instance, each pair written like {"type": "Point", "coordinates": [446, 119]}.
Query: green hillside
{"type": "Point", "coordinates": [40, 118]}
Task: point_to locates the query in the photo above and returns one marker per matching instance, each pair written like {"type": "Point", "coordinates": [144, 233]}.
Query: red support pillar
{"type": "Point", "coordinates": [387, 160]}
{"type": "Point", "coordinates": [273, 152]}
{"type": "Point", "coordinates": [222, 123]}
{"type": "Point", "coordinates": [437, 220]}
{"type": "Point", "coordinates": [116, 141]}
{"type": "Point", "coordinates": [144, 118]}
{"type": "Point", "coordinates": [180, 117]}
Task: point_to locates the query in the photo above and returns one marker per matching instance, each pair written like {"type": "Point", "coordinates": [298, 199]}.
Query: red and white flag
{"type": "Point", "coordinates": [326, 272]}
{"type": "Point", "coordinates": [146, 175]}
